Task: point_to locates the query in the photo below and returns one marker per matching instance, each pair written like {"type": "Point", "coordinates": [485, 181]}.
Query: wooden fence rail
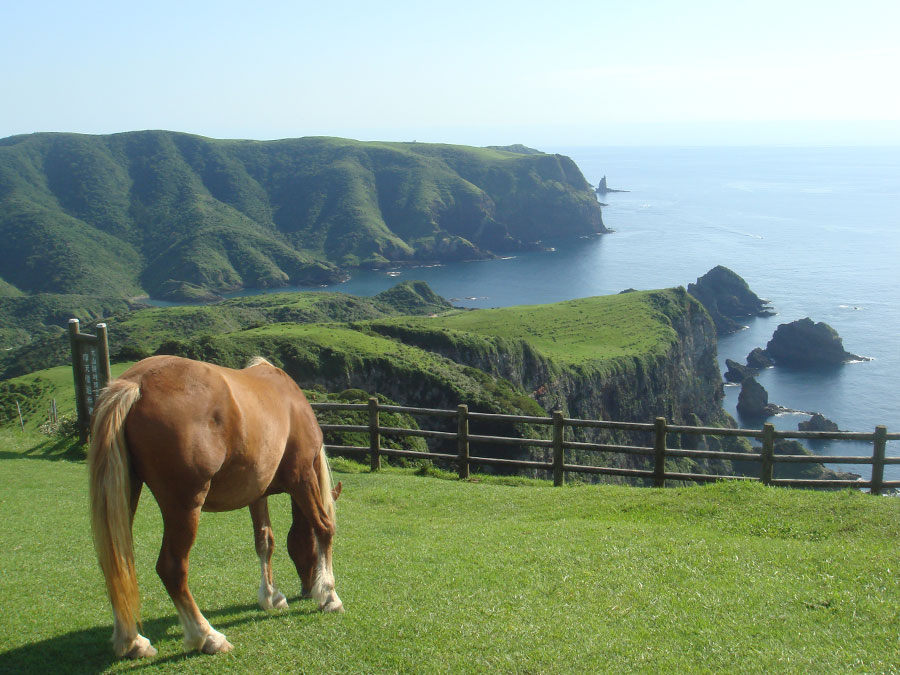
{"type": "Point", "coordinates": [659, 452]}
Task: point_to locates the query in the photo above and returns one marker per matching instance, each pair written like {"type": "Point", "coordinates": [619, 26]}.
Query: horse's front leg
{"type": "Point", "coordinates": [268, 596]}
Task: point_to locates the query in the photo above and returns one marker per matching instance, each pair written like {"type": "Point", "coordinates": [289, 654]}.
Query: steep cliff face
{"type": "Point", "coordinates": [679, 381]}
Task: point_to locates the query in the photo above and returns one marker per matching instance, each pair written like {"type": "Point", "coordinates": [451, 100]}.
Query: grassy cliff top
{"type": "Point", "coordinates": [597, 331]}
{"type": "Point", "coordinates": [575, 332]}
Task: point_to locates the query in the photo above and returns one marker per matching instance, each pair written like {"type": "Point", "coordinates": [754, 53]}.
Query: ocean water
{"type": "Point", "coordinates": [816, 231]}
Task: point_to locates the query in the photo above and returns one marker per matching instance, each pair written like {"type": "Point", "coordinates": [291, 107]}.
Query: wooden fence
{"type": "Point", "coordinates": [659, 430]}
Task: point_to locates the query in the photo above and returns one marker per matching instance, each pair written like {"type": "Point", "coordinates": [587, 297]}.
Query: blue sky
{"type": "Point", "coordinates": [539, 73]}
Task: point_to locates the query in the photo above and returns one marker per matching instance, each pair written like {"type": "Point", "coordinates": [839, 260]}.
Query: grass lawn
{"type": "Point", "coordinates": [448, 576]}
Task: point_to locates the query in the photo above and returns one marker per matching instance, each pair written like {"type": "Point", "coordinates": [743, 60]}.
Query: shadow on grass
{"type": "Point", "coordinates": [90, 650]}
{"type": "Point", "coordinates": [56, 448]}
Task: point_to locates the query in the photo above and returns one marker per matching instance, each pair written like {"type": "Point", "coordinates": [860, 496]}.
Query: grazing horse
{"type": "Point", "coordinates": [206, 438]}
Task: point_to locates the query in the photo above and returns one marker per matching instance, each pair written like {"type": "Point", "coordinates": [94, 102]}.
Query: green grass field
{"type": "Point", "coordinates": [448, 576]}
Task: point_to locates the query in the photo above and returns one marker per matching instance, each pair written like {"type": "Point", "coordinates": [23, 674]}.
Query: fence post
{"type": "Point", "coordinates": [879, 445]}
{"type": "Point", "coordinates": [462, 439]}
{"type": "Point", "coordinates": [558, 453]}
{"type": "Point", "coordinates": [81, 411]}
{"type": "Point", "coordinates": [103, 375]}
{"type": "Point", "coordinates": [374, 435]}
{"type": "Point", "coordinates": [767, 468]}
{"type": "Point", "coordinates": [659, 453]}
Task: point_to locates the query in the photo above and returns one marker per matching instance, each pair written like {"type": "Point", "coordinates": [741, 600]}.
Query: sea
{"type": "Point", "coordinates": [815, 231]}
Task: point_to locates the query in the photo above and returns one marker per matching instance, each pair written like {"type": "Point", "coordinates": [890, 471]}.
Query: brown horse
{"type": "Point", "coordinates": [206, 438]}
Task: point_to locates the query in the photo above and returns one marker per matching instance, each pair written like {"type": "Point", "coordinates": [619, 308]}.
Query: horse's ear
{"type": "Point", "coordinates": [336, 490]}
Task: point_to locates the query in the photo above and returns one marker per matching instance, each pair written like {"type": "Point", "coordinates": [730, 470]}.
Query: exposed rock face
{"type": "Point", "coordinates": [818, 422]}
{"type": "Point", "coordinates": [758, 359]}
{"type": "Point", "coordinates": [727, 297]}
{"type": "Point", "coordinates": [753, 400]}
{"type": "Point", "coordinates": [804, 344]}
{"type": "Point", "coordinates": [738, 373]}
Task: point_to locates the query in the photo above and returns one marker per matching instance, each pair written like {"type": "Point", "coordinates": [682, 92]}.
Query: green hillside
{"type": "Point", "coordinates": [26, 318]}
{"type": "Point", "coordinates": [38, 327]}
{"type": "Point", "coordinates": [180, 216]}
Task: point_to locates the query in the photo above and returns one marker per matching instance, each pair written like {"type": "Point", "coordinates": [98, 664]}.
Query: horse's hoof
{"type": "Point", "coordinates": [277, 601]}
{"type": "Point", "coordinates": [333, 606]}
{"type": "Point", "coordinates": [140, 649]}
{"type": "Point", "coordinates": [215, 643]}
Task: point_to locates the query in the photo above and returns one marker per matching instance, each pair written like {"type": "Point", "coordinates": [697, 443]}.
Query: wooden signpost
{"type": "Point", "coordinates": [90, 367]}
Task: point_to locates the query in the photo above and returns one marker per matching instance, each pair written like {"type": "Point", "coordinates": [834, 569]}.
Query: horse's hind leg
{"type": "Point", "coordinates": [302, 549]}
{"type": "Point", "coordinates": [268, 596]}
{"type": "Point", "coordinates": [126, 640]}
{"type": "Point", "coordinates": [179, 530]}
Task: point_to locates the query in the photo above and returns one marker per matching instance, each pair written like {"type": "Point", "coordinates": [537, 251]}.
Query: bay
{"type": "Point", "coordinates": [814, 230]}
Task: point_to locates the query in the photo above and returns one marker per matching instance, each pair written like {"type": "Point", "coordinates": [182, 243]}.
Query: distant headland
{"type": "Point", "coordinates": [183, 217]}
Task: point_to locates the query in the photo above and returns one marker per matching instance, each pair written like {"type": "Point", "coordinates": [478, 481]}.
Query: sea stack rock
{"type": "Point", "coordinates": [805, 344]}
{"type": "Point", "coordinates": [818, 422]}
{"type": "Point", "coordinates": [727, 297]}
{"type": "Point", "coordinates": [753, 400]}
{"type": "Point", "coordinates": [738, 373]}
{"type": "Point", "coordinates": [758, 359]}
{"type": "Point", "coordinates": [602, 188]}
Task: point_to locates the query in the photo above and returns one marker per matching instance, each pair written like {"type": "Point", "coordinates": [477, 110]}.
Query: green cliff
{"type": "Point", "coordinates": [181, 216]}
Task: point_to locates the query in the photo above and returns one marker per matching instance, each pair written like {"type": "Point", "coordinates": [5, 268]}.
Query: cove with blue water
{"type": "Point", "coordinates": [816, 231]}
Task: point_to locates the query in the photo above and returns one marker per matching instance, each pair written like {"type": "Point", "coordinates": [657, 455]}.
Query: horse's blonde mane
{"type": "Point", "coordinates": [258, 360]}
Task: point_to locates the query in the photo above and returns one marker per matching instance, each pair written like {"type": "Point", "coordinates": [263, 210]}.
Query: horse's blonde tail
{"type": "Point", "coordinates": [110, 490]}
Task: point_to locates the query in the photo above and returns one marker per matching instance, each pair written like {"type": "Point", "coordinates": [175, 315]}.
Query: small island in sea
{"type": "Point", "coordinates": [602, 187]}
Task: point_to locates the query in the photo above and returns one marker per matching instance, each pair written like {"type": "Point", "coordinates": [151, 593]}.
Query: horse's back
{"type": "Point", "coordinates": [204, 429]}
